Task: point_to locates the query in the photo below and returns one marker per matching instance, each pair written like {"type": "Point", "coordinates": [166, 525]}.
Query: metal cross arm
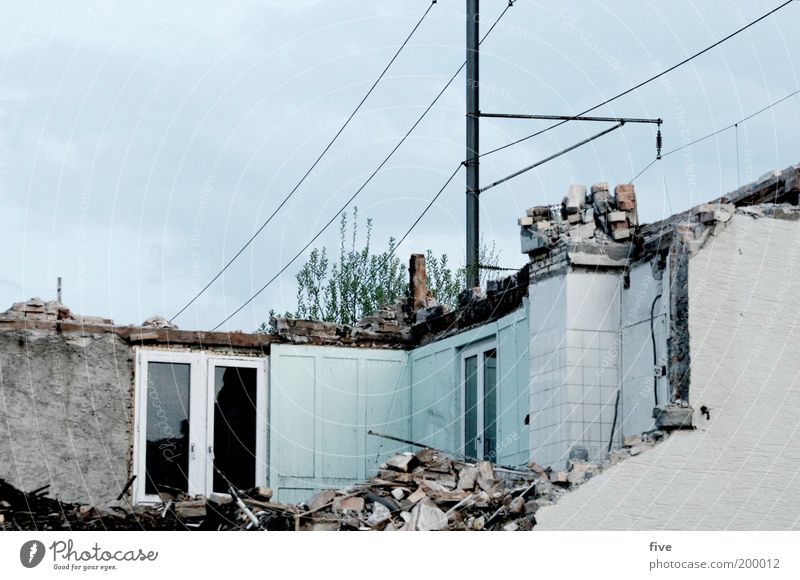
{"type": "Point", "coordinates": [551, 157]}
{"type": "Point", "coordinates": [570, 118]}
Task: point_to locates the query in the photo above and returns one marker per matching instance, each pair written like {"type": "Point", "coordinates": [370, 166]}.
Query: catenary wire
{"type": "Point", "coordinates": [310, 169]}
{"type": "Point", "coordinates": [718, 131]}
{"type": "Point", "coordinates": [368, 180]}
{"type": "Point", "coordinates": [641, 84]}
{"type": "Point", "coordinates": [449, 179]}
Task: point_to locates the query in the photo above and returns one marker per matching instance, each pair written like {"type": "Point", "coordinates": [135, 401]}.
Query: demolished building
{"type": "Point", "coordinates": [611, 330]}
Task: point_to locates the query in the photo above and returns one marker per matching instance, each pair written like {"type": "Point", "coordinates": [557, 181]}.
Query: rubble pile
{"type": "Point", "coordinates": [429, 491]}
{"type": "Point", "coordinates": [423, 491]}
{"type": "Point", "coordinates": [159, 322]}
{"type": "Point", "coordinates": [592, 214]}
{"type": "Point", "coordinates": [38, 310]}
{"type": "Point", "coordinates": [388, 325]}
{"type": "Point", "coordinates": [391, 321]}
{"type": "Point", "coordinates": [36, 511]}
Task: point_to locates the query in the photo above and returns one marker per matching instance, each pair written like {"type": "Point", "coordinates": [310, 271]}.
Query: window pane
{"type": "Point", "coordinates": [167, 454]}
{"type": "Point", "coordinates": [490, 405]}
{"type": "Point", "coordinates": [471, 406]}
{"type": "Point", "coordinates": [234, 427]}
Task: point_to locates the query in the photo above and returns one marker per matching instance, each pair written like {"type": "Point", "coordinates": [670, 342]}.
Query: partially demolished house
{"type": "Point", "coordinates": [612, 329]}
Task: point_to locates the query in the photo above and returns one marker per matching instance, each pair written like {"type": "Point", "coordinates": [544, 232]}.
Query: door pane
{"type": "Point", "coordinates": [471, 406]}
{"type": "Point", "coordinates": [490, 405]}
{"type": "Point", "coordinates": [234, 427]}
{"type": "Point", "coordinates": [167, 452]}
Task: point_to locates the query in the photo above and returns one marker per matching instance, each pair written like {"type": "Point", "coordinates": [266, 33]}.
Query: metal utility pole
{"type": "Point", "coordinates": [473, 110]}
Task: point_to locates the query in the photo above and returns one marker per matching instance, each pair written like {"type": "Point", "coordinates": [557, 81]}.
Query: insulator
{"type": "Point", "coordinates": [658, 144]}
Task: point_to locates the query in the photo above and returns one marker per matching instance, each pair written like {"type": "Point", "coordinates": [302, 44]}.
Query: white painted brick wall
{"type": "Point", "coordinates": [548, 352]}
{"type": "Point", "coordinates": [741, 469]}
{"type": "Point", "coordinates": [636, 360]}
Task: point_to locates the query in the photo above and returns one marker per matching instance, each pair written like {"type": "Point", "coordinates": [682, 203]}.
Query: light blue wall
{"type": "Point", "coordinates": [513, 403]}
{"type": "Point", "coordinates": [323, 400]}
{"type": "Point", "coordinates": [436, 388]}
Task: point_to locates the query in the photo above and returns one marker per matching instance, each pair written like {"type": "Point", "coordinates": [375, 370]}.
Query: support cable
{"type": "Point", "coordinates": [551, 157]}
{"type": "Point", "coordinates": [363, 185]}
{"type": "Point", "coordinates": [643, 83]}
{"type": "Point", "coordinates": [310, 169]}
{"type": "Point", "coordinates": [718, 131]}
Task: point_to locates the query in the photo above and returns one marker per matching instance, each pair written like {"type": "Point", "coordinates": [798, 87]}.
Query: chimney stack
{"type": "Point", "coordinates": [418, 285]}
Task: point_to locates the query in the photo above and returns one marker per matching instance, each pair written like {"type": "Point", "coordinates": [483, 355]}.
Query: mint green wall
{"type": "Point", "coordinates": [436, 388]}
{"type": "Point", "coordinates": [323, 400]}
{"type": "Point", "coordinates": [513, 403]}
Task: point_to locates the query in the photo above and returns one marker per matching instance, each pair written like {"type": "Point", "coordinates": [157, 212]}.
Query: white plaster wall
{"type": "Point", "coordinates": [548, 361]}
{"type": "Point", "coordinates": [593, 303]}
{"type": "Point", "coordinates": [741, 469]}
{"type": "Point", "coordinates": [636, 359]}
{"type": "Point", "coordinates": [574, 325]}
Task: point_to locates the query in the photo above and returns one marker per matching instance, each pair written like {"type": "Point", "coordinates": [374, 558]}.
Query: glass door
{"type": "Point", "coordinates": [236, 424]}
{"type": "Point", "coordinates": [479, 401]}
{"type": "Point", "coordinates": [201, 423]}
{"type": "Point", "coordinates": [168, 456]}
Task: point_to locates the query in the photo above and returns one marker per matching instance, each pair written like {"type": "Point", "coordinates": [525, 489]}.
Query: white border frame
{"type": "Point", "coordinates": [200, 400]}
{"type": "Point", "coordinates": [476, 348]}
{"type": "Point", "coordinates": [262, 434]}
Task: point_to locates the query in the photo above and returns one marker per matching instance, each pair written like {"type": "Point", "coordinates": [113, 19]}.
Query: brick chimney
{"type": "Point", "coordinates": [418, 286]}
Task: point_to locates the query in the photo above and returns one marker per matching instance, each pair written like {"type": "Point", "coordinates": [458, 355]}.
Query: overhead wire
{"type": "Point", "coordinates": [310, 169]}
{"type": "Point", "coordinates": [452, 176]}
{"type": "Point", "coordinates": [643, 83]}
{"type": "Point", "coordinates": [449, 179]}
{"type": "Point", "coordinates": [369, 179]}
{"type": "Point", "coordinates": [718, 131]}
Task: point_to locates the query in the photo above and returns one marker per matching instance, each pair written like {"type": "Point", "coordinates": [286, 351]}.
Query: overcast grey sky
{"type": "Point", "coordinates": [141, 143]}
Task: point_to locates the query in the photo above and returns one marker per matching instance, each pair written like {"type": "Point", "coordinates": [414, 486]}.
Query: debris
{"type": "Point", "coordinates": [320, 500]}
{"type": "Point", "coordinates": [631, 440]}
{"type": "Point", "coordinates": [426, 490]}
{"type": "Point", "coordinates": [536, 468]}
{"type": "Point", "coordinates": [159, 322]}
{"type": "Point", "coordinates": [576, 477]}
{"type": "Point", "coordinates": [517, 505]}
{"type": "Point", "coordinates": [220, 498]}
{"type": "Point", "coordinates": [486, 471]}
{"type": "Point", "coordinates": [402, 462]}
{"type": "Point", "coordinates": [467, 478]}
{"type": "Point", "coordinates": [380, 514]}
{"type": "Point", "coordinates": [426, 516]}
{"type": "Point", "coordinates": [187, 510]}
{"type": "Point", "coordinates": [348, 504]}
{"type": "Point", "coordinates": [673, 416]}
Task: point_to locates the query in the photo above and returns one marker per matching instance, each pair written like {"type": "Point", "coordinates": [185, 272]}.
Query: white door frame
{"type": "Point", "coordinates": [262, 435]}
{"type": "Point", "coordinates": [201, 402]}
{"type": "Point", "coordinates": [474, 349]}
